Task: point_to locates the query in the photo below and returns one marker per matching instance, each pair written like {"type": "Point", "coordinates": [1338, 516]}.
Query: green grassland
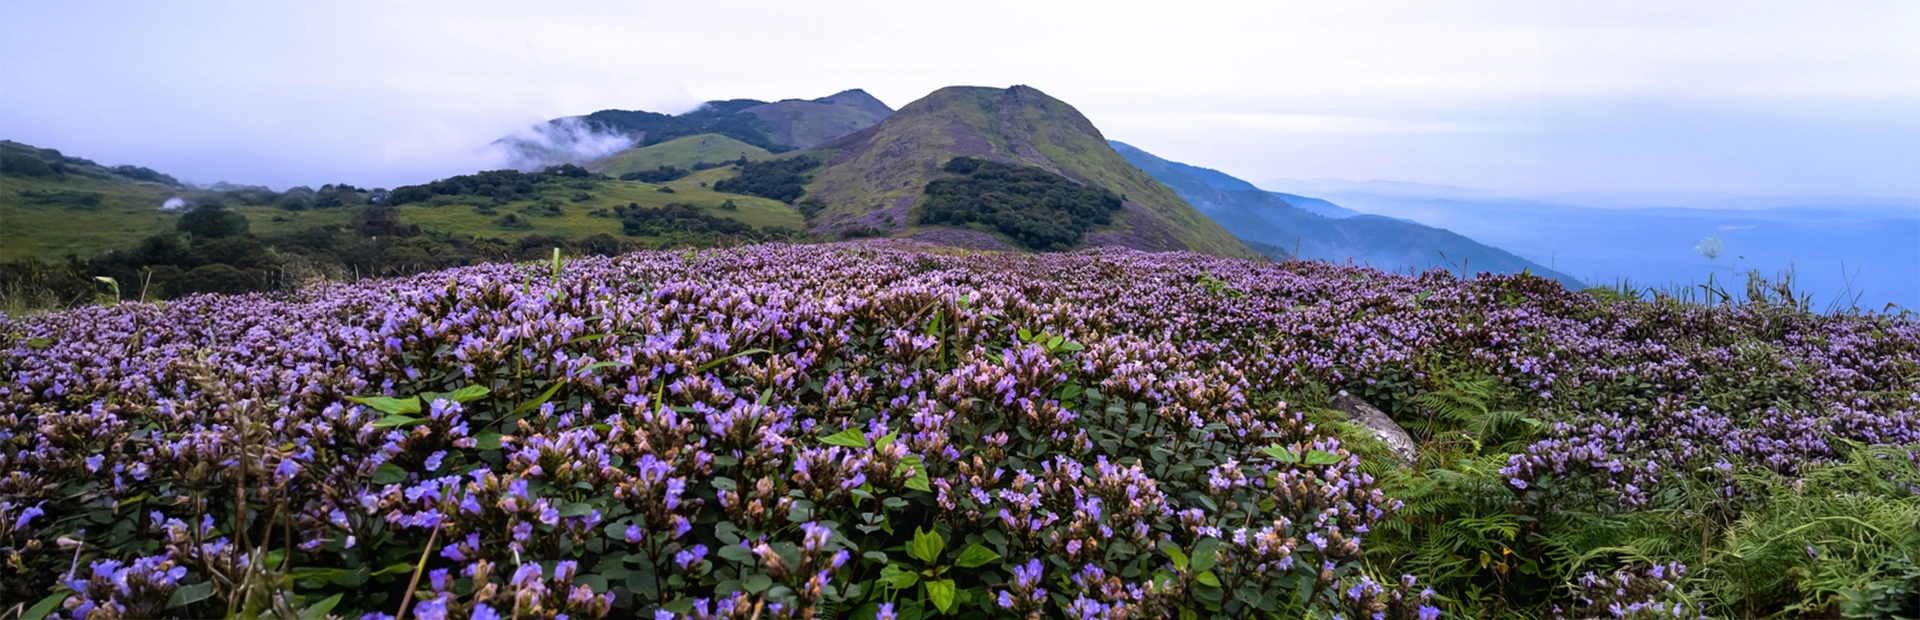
{"type": "Point", "coordinates": [679, 153]}
{"type": "Point", "coordinates": [476, 216]}
{"type": "Point", "coordinates": [46, 218]}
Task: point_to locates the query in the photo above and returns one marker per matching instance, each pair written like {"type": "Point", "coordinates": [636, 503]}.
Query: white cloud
{"type": "Point", "coordinates": [1502, 94]}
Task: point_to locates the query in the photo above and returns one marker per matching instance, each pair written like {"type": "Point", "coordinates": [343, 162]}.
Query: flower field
{"type": "Point", "coordinates": [889, 430]}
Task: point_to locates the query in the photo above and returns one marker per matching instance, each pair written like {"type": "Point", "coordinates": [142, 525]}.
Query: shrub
{"type": "Point", "coordinates": [661, 174]}
{"type": "Point", "coordinates": [1040, 210]}
{"type": "Point", "coordinates": [212, 222]}
{"type": "Point", "coordinates": [780, 179]}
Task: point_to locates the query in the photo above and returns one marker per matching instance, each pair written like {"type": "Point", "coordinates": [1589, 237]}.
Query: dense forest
{"type": "Point", "coordinates": [784, 180]}
{"type": "Point", "coordinates": [1039, 209]}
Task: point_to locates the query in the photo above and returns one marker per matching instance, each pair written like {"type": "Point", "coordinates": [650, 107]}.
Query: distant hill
{"type": "Point", "coordinates": [775, 127]}
{"type": "Point", "coordinates": [1395, 245]}
{"type": "Point", "coordinates": [807, 124]}
{"type": "Point", "coordinates": [685, 153]}
{"type": "Point", "coordinates": [872, 180]}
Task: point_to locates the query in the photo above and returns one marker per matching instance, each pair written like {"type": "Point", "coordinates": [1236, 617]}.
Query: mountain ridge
{"type": "Point", "coordinates": [1387, 243]}
{"type": "Point", "coordinates": [779, 126]}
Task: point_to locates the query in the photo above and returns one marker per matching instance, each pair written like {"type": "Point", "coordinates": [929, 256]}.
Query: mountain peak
{"type": "Point", "coordinates": [874, 177]}
{"type": "Point", "coordinates": [857, 99]}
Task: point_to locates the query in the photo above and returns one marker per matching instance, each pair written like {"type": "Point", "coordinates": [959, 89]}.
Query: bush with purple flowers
{"type": "Point", "coordinates": [884, 430]}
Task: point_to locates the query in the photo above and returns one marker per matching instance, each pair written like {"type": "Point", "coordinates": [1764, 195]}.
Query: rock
{"type": "Point", "coordinates": [1383, 427]}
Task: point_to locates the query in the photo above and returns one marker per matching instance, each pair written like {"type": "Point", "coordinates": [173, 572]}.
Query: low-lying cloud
{"type": "Point", "coordinates": [562, 141]}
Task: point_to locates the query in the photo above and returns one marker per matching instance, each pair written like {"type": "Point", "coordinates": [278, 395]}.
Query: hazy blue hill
{"type": "Point", "coordinates": [1831, 244]}
{"type": "Point", "coordinates": [1396, 245]}
{"type": "Point", "coordinates": [1317, 206]}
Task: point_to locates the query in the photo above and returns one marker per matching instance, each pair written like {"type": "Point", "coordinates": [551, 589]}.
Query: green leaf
{"type": "Point", "coordinates": [39, 343]}
{"type": "Point", "coordinates": [1203, 554]}
{"type": "Point", "coordinates": [736, 554]}
{"type": "Point", "coordinates": [913, 463]}
{"type": "Point", "coordinates": [851, 438]}
{"type": "Point", "coordinates": [599, 365]}
{"type": "Point", "coordinates": [468, 394]}
{"type": "Point", "coordinates": [975, 555]}
{"type": "Point", "coordinates": [941, 593]}
{"type": "Point", "coordinates": [395, 569]}
{"type": "Point", "coordinates": [709, 365]}
{"type": "Point", "coordinates": [575, 509]}
{"type": "Point", "coordinates": [396, 421]}
{"type": "Point", "coordinates": [1173, 551]}
{"type": "Point", "coordinates": [1073, 346]}
{"type": "Point", "coordinates": [886, 440]}
{"type": "Point", "coordinates": [488, 440]}
{"type": "Point", "coordinates": [1207, 578]}
{"type": "Point", "coordinates": [389, 473]}
{"type": "Point", "coordinates": [537, 402]}
{"type": "Point", "coordinates": [188, 595]}
{"type": "Point", "coordinates": [46, 606]}
{"type": "Point", "coordinates": [898, 579]}
{"type": "Point", "coordinates": [318, 611]}
{"type": "Point", "coordinates": [1319, 457]}
{"type": "Point", "coordinates": [389, 404]}
{"type": "Point", "coordinates": [1282, 454]}
{"type": "Point", "coordinates": [927, 545]}
{"type": "Point", "coordinates": [757, 583]}
{"type": "Point", "coordinates": [1026, 336]}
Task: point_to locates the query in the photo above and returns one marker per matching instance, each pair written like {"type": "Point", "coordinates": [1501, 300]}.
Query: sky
{"type": "Point", "coordinates": [1699, 99]}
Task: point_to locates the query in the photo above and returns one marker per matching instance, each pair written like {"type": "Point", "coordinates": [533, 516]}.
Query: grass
{"type": "Point", "coordinates": [679, 153]}
{"type": "Point", "coordinates": [128, 212]}
{"type": "Point", "coordinates": [464, 216]}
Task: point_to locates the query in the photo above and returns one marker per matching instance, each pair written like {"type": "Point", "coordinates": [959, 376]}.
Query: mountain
{"type": "Point", "coordinates": [872, 179]}
{"type": "Point", "coordinates": [1266, 217]}
{"type": "Point", "coordinates": [776, 127]}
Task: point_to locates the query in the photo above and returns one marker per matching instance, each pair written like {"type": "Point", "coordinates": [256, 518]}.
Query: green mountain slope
{"type": "Point", "coordinates": [874, 178]}
{"type": "Point", "coordinates": [681, 153]}
{"type": "Point", "coordinates": [52, 205]}
{"type": "Point", "coordinates": [1394, 245]}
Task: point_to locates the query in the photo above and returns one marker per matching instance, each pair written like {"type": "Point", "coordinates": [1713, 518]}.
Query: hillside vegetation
{"type": "Point", "coordinates": [62, 232]}
{"type": "Point", "coordinates": [683, 153]}
{"type": "Point", "coordinates": [887, 430]}
{"type": "Point", "coordinates": [1040, 209]}
{"type": "Point", "coordinates": [877, 175]}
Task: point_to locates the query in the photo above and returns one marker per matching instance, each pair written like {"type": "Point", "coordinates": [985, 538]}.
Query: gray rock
{"type": "Point", "coordinates": [1383, 427]}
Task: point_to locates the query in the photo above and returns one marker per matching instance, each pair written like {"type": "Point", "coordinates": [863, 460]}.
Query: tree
{"type": "Point", "coordinates": [212, 222]}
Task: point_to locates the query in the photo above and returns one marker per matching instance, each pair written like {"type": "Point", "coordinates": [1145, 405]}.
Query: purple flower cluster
{"type": "Point", "coordinates": [704, 431]}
